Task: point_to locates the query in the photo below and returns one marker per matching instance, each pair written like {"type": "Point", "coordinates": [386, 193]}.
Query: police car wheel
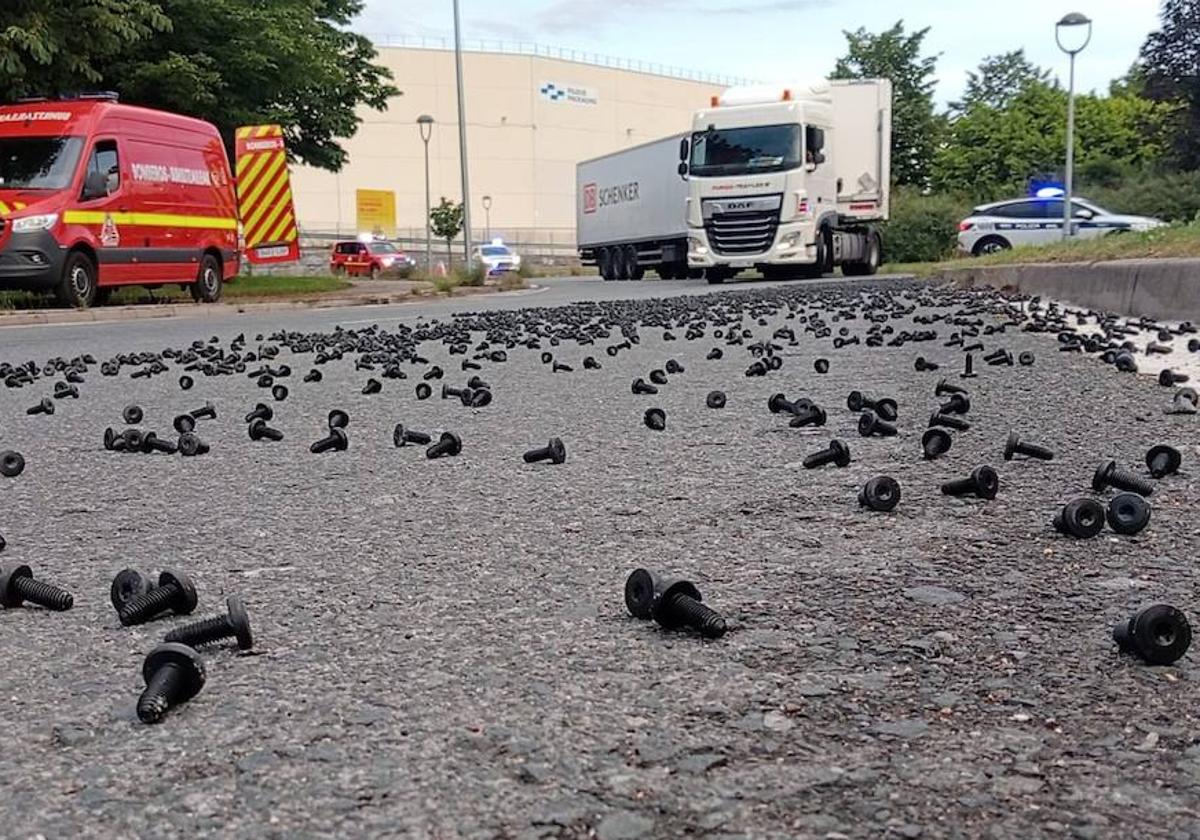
{"type": "Point", "coordinates": [991, 245]}
{"type": "Point", "coordinates": [207, 288]}
{"type": "Point", "coordinates": [78, 285]}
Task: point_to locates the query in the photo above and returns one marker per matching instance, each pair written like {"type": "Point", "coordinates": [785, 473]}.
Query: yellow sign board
{"type": "Point", "coordinates": [376, 212]}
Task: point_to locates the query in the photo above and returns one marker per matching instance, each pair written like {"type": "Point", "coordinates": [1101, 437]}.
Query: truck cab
{"type": "Point", "coordinates": [788, 181]}
{"type": "Point", "coordinates": [95, 194]}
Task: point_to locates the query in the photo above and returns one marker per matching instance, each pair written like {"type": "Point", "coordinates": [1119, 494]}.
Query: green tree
{"type": "Point", "coordinates": [51, 46]}
{"type": "Point", "coordinates": [896, 55]}
{"type": "Point", "coordinates": [1171, 66]}
{"type": "Point", "coordinates": [447, 222]}
{"type": "Point", "coordinates": [999, 79]}
{"type": "Point", "coordinates": [232, 62]}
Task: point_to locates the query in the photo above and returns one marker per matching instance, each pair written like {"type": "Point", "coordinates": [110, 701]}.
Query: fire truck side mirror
{"type": "Point", "coordinates": [95, 185]}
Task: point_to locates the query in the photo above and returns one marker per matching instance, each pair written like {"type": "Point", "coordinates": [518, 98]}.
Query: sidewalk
{"type": "Point", "coordinates": [361, 293]}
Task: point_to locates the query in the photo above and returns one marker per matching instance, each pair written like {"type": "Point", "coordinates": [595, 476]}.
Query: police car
{"type": "Point", "coordinates": [1039, 221]}
{"type": "Point", "coordinates": [496, 258]}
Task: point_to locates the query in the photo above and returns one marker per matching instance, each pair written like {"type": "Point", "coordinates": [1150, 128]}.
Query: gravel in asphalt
{"type": "Point", "coordinates": [442, 648]}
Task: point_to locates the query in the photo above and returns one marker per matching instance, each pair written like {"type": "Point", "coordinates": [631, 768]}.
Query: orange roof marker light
{"type": "Point", "coordinates": [787, 94]}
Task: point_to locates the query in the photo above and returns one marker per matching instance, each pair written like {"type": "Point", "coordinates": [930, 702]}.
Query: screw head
{"type": "Point", "coordinates": [186, 382]}
{"type": "Point", "coordinates": [1160, 633]}
{"type": "Point", "coordinates": [987, 482]}
{"type": "Point", "coordinates": [132, 415]}
{"type": "Point", "coordinates": [279, 393]}
{"type": "Point", "coordinates": [639, 593]}
{"type": "Point", "coordinates": [184, 658]}
{"type": "Point", "coordinates": [1010, 445]}
{"type": "Point", "coordinates": [655, 419]}
{"type": "Point", "coordinates": [670, 588]}
{"type": "Point", "coordinates": [1128, 513]}
{"type": "Point", "coordinates": [188, 600]}
{"type": "Point", "coordinates": [239, 620]}
{"type": "Point", "coordinates": [127, 585]}
{"type": "Point", "coordinates": [854, 401]}
{"type": "Point", "coordinates": [715, 399]}
{"type": "Point", "coordinates": [451, 442]}
{"type": "Point", "coordinates": [558, 452]}
{"type": "Point", "coordinates": [1100, 479]}
{"type": "Point", "coordinates": [936, 442]}
{"type": "Point", "coordinates": [12, 464]}
{"type": "Point", "coordinates": [1168, 456]}
{"type": "Point", "coordinates": [184, 423]}
{"type": "Point", "coordinates": [8, 598]}
{"type": "Point", "coordinates": [1082, 518]}
{"type": "Point", "coordinates": [881, 493]}
{"type": "Point", "coordinates": [338, 419]}
{"type": "Point", "coordinates": [423, 391]}
{"type": "Point", "coordinates": [778, 403]}
{"type": "Point", "coordinates": [841, 453]}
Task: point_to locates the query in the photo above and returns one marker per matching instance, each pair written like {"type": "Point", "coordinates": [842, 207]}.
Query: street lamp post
{"type": "Point", "coordinates": [425, 126]}
{"type": "Point", "coordinates": [462, 138]}
{"type": "Point", "coordinates": [487, 213]}
{"type": "Point", "coordinates": [1071, 21]}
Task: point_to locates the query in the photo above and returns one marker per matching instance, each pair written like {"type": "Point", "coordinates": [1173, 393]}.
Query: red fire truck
{"type": "Point", "coordinates": [95, 194]}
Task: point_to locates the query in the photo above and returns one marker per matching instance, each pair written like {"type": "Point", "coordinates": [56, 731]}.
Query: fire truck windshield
{"type": "Point", "coordinates": [38, 163]}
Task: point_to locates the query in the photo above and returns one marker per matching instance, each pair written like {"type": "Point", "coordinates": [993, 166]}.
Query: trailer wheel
{"type": "Point", "coordinates": [77, 287]}
{"type": "Point", "coordinates": [632, 269]}
{"type": "Point", "coordinates": [870, 265]}
{"type": "Point", "coordinates": [207, 288]}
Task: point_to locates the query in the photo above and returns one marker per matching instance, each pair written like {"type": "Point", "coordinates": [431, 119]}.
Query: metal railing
{"type": "Point", "coordinates": [531, 48]}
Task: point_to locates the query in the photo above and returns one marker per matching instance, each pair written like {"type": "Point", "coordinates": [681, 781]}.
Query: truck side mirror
{"type": "Point", "coordinates": [683, 169]}
{"type": "Point", "coordinates": [95, 185]}
{"type": "Point", "coordinates": [684, 149]}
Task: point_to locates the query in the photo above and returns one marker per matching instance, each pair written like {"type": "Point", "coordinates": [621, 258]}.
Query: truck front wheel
{"type": "Point", "coordinates": [77, 288]}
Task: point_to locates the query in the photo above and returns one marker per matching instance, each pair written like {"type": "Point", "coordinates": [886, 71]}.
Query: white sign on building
{"type": "Point", "coordinates": [570, 94]}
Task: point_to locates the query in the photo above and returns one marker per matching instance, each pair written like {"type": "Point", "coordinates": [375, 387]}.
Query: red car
{"type": "Point", "coordinates": [370, 258]}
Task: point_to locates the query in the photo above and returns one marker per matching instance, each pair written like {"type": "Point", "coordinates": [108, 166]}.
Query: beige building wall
{"type": "Point", "coordinates": [522, 146]}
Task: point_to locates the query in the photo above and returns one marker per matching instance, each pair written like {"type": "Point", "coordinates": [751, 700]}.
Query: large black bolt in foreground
{"type": "Point", "coordinates": [672, 603]}
{"type": "Point", "coordinates": [935, 443]}
{"type": "Point", "coordinates": [1110, 475]}
{"type": "Point", "coordinates": [1159, 634]}
{"type": "Point", "coordinates": [18, 586]}
{"type": "Point", "coordinates": [1169, 378]}
{"type": "Point", "coordinates": [174, 674]}
{"type": "Point", "coordinates": [870, 424]}
{"type": "Point", "coordinates": [127, 585]}
{"type": "Point", "coordinates": [1128, 513]}
{"type": "Point", "coordinates": [881, 493]}
{"type": "Point", "coordinates": [448, 444]}
{"type": "Point", "coordinates": [837, 453]}
{"type": "Point", "coordinates": [1082, 518]}
{"type": "Point", "coordinates": [983, 482]}
{"type": "Point", "coordinates": [335, 441]}
{"type": "Point", "coordinates": [1015, 446]}
{"type": "Point", "coordinates": [655, 419]}
{"type": "Point", "coordinates": [1163, 460]}
{"type": "Point", "coordinates": [554, 452]}
{"type": "Point", "coordinates": [235, 624]}
{"type": "Point", "coordinates": [174, 593]}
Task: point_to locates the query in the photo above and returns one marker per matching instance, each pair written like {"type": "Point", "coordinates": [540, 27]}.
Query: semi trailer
{"type": "Point", "coordinates": [786, 181]}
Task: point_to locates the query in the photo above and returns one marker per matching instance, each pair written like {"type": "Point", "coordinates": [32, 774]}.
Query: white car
{"type": "Point", "coordinates": [1039, 221]}
{"type": "Point", "coordinates": [496, 258]}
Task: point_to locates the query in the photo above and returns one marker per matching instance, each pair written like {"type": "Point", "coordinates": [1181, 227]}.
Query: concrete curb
{"type": "Point", "coordinates": [1167, 289]}
{"type": "Point", "coordinates": [109, 314]}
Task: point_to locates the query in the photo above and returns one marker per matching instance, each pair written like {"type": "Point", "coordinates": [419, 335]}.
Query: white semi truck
{"type": "Point", "coordinates": [791, 182]}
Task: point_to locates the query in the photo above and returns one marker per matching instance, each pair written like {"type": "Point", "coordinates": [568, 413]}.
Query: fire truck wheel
{"type": "Point", "coordinates": [78, 285]}
{"type": "Point", "coordinates": [207, 288]}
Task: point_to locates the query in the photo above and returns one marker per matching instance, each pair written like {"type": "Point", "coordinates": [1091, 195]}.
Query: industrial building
{"type": "Point", "coordinates": [532, 114]}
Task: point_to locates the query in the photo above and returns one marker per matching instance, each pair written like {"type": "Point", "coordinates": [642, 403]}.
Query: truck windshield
{"type": "Point", "coordinates": [738, 151]}
{"type": "Point", "coordinates": [38, 163]}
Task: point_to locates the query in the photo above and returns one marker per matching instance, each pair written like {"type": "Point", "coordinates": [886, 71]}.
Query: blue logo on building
{"type": "Point", "coordinates": [553, 92]}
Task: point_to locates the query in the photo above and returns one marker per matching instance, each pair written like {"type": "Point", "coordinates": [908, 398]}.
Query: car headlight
{"type": "Point", "coordinates": [28, 224]}
{"type": "Point", "coordinates": [387, 261]}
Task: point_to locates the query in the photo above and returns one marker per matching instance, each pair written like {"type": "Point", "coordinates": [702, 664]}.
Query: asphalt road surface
{"type": "Point", "coordinates": [442, 647]}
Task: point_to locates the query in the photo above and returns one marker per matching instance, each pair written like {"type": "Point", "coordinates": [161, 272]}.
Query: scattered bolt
{"type": "Point", "coordinates": [448, 444]}
{"type": "Point", "coordinates": [206, 412]}
{"type": "Point", "coordinates": [1110, 475]}
{"type": "Point", "coordinates": [338, 419]}
{"type": "Point", "coordinates": [943, 387]}
{"type": "Point", "coordinates": [969, 368]}
{"type": "Point", "coordinates": [1162, 460]}
{"type": "Point", "coordinates": [335, 441]}
{"type": "Point", "coordinates": [655, 419]}
{"type": "Point", "coordinates": [127, 585]}
{"type": "Point", "coordinates": [373, 386]}
{"type": "Point", "coordinates": [1015, 446]}
{"type": "Point", "coordinates": [935, 443]}
{"type": "Point", "coordinates": [1128, 513]}
{"type": "Point", "coordinates": [983, 482]}
{"type": "Point", "coordinates": [640, 386]}
{"type": "Point", "coordinates": [259, 430]}
{"type": "Point", "coordinates": [836, 453]}
{"type": "Point", "coordinates": [174, 593]}
{"type": "Point", "coordinates": [261, 411]}
{"type": "Point", "coordinates": [313, 376]}
{"type": "Point", "coordinates": [715, 399]}
{"type": "Point", "coordinates": [424, 391]}
{"type": "Point", "coordinates": [672, 603]}
{"type": "Point", "coordinates": [12, 464]}
{"type": "Point", "coordinates": [234, 624]}
{"type": "Point", "coordinates": [1159, 634]}
{"type": "Point", "coordinates": [46, 406]}
{"type": "Point", "coordinates": [821, 366]}
{"type": "Point", "coordinates": [279, 393]}
{"type": "Point", "coordinates": [186, 382]}
{"type": "Point", "coordinates": [938, 419]}
{"type": "Point", "coordinates": [184, 423]}
{"type": "Point", "coordinates": [17, 585]}
{"type": "Point", "coordinates": [174, 674]}
{"type": "Point", "coordinates": [132, 415]}
{"type": "Point", "coordinates": [402, 436]}
{"type": "Point", "coordinates": [554, 452]}
{"type": "Point", "coordinates": [1025, 359]}
{"type": "Point", "coordinates": [191, 446]}
{"type": "Point", "coordinates": [921, 365]}
{"type": "Point", "coordinates": [870, 424]}
{"type": "Point", "coordinates": [1082, 518]}
{"type": "Point", "coordinates": [881, 493]}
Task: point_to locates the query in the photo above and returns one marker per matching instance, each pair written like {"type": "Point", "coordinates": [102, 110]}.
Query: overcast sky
{"type": "Point", "coordinates": [783, 40]}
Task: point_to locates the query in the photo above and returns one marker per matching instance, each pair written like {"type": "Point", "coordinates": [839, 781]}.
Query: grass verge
{"type": "Point", "coordinates": [243, 288]}
{"type": "Point", "coordinates": [1176, 241]}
